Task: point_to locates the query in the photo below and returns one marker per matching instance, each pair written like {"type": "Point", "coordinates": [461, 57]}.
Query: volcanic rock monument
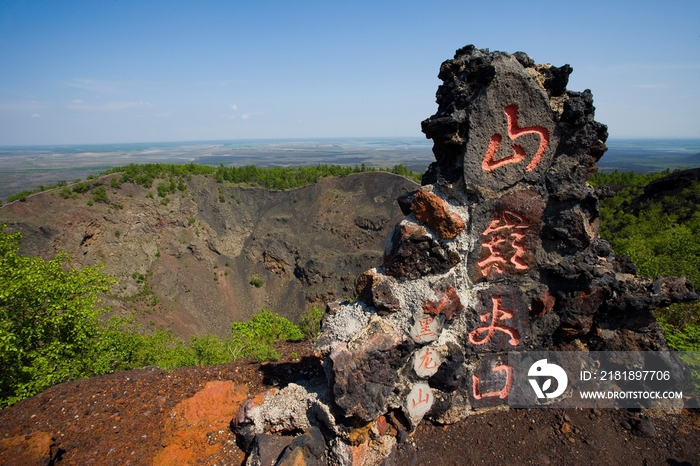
{"type": "Point", "coordinates": [499, 252]}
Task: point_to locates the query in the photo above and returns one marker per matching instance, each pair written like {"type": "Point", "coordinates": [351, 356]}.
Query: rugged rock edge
{"type": "Point", "coordinates": [499, 252]}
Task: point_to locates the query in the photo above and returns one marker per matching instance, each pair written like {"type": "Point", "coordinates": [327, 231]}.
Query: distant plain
{"type": "Point", "coordinates": [27, 167]}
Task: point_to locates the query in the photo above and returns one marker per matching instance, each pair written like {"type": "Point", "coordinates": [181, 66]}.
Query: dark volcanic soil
{"type": "Point", "coordinates": [133, 418]}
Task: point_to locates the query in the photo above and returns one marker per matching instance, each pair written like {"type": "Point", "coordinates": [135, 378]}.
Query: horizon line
{"type": "Point", "coordinates": [293, 139]}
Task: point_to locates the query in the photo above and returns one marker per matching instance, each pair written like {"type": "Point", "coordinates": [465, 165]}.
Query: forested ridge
{"type": "Point", "coordinates": [249, 175]}
{"type": "Point", "coordinates": [661, 235]}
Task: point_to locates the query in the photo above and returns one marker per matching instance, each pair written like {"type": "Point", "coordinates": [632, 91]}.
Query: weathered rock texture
{"type": "Point", "coordinates": [499, 252]}
{"type": "Point", "coordinates": [186, 265]}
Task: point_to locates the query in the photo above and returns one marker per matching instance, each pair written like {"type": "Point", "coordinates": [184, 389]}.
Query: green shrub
{"type": "Point", "coordinates": [48, 320]}
{"type": "Point", "coordinates": [20, 196]}
{"type": "Point", "coordinates": [255, 338]}
{"type": "Point", "coordinates": [310, 324]}
{"type": "Point", "coordinates": [65, 192]}
{"type": "Point", "coordinates": [210, 350]}
{"type": "Point", "coordinates": [80, 187]}
{"type": "Point", "coordinates": [162, 189]}
{"type": "Point", "coordinates": [100, 195]}
{"type": "Point", "coordinates": [256, 281]}
{"type": "Point", "coordinates": [181, 186]}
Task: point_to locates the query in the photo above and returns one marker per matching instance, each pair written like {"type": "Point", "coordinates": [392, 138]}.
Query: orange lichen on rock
{"type": "Point", "coordinates": [431, 210]}
{"type": "Point", "coordinates": [186, 430]}
{"type": "Point", "coordinates": [26, 450]}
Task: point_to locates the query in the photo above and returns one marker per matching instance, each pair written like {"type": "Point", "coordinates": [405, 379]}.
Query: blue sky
{"type": "Point", "coordinates": [138, 71]}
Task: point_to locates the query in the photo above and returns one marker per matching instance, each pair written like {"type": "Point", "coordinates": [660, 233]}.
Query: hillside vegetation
{"type": "Point", "coordinates": [662, 237]}
{"type": "Point", "coordinates": [51, 329]}
{"type": "Point", "coordinates": [250, 175]}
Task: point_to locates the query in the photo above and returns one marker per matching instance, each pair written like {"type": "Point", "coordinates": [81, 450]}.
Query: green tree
{"type": "Point", "coordinates": [100, 195]}
{"type": "Point", "coordinates": [48, 320]}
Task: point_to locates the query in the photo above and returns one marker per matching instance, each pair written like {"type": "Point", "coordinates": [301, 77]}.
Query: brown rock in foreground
{"type": "Point", "coordinates": [433, 211]}
{"type": "Point", "coordinates": [77, 415]}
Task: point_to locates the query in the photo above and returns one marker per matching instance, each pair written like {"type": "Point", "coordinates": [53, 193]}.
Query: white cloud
{"type": "Point", "coordinates": [234, 106]}
{"type": "Point", "coordinates": [248, 115]}
{"type": "Point", "coordinates": [35, 115]}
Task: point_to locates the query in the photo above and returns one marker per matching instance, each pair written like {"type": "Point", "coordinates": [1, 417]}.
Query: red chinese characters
{"type": "Point", "coordinates": [502, 393]}
{"type": "Point", "coordinates": [425, 329]}
{"type": "Point", "coordinates": [482, 335]}
{"type": "Point", "coordinates": [490, 163]}
{"type": "Point", "coordinates": [503, 241]}
{"type": "Point", "coordinates": [427, 361]}
{"type": "Point", "coordinates": [420, 398]}
{"type": "Point", "coordinates": [419, 401]}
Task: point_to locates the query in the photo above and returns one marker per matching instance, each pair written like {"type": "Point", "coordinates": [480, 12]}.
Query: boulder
{"type": "Point", "coordinates": [499, 253]}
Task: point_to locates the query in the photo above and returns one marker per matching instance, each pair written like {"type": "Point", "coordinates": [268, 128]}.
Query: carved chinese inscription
{"type": "Point", "coordinates": [426, 361]}
{"type": "Point", "coordinates": [500, 320]}
{"type": "Point", "coordinates": [419, 400]}
{"type": "Point", "coordinates": [490, 162]}
{"type": "Point", "coordinates": [510, 237]}
{"type": "Point", "coordinates": [426, 329]}
{"type": "Point", "coordinates": [503, 241]}
{"type": "Point", "coordinates": [482, 335]}
{"type": "Point", "coordinates": [507, 376]}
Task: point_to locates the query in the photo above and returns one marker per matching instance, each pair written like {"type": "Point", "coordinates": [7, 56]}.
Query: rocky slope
{"type": "Point", "coordinates": [187, 265]}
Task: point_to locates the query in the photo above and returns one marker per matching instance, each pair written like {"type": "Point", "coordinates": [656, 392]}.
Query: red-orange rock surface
{"type": "Point", "coordinates": [27, 450]}
{"type": "Point", "coordinates": [430, 210]}
{"type": "Point", "coordinates": [193, 422]}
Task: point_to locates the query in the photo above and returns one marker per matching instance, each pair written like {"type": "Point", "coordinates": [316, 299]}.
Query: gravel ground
{"type": "Point", "coordinates": [126, 418]}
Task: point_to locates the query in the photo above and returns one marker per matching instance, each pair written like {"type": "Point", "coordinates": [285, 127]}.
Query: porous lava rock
{"type": "Point", "coordinates": [499, 253]}
{"type": "Point", "coordinates": [431, 210]}
{"type": "Point", "coordinates": [37, 449]}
